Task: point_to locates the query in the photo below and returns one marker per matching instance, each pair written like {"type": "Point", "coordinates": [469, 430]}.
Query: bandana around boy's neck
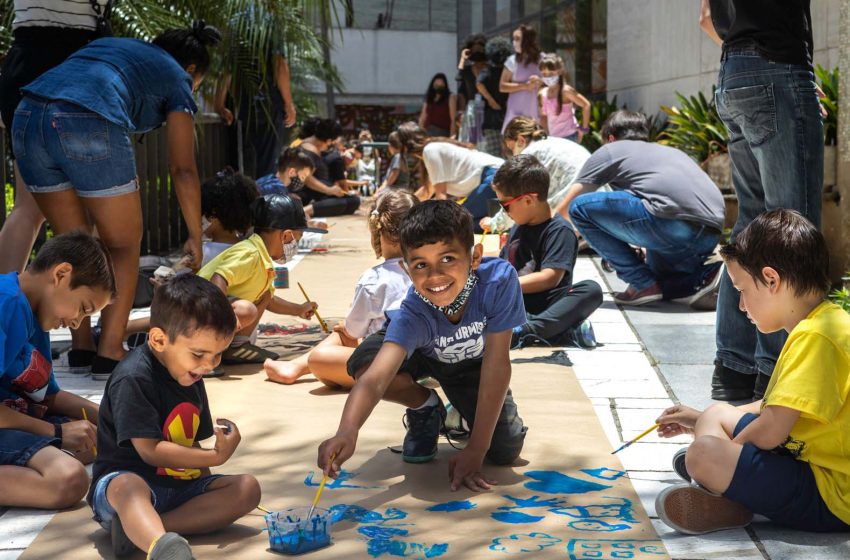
{"type": "Point", "coordinates": [459, 301]}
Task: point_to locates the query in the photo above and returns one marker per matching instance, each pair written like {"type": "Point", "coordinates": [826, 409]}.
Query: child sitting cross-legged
{"type": "Point", "coordinates": [380, 289]}
{"type": "Point", "coordinates": [454, 326]}
{"type": "Point", "coordinates": [786, 456]}
{"type": "Point", "coordinates": [70, 278]}
{"type": "Point", "coordinates": [543, 250]}
{"type": "Point", "coordinates": [245, 272]}
{"type": "Point", "coordinates": [151, 481]}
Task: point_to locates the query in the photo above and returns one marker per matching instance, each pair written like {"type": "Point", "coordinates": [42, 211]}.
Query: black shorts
{"type": "Point", "coordinates": [34, 51]}
{"type": "Point", "coordinates": [460, 383]}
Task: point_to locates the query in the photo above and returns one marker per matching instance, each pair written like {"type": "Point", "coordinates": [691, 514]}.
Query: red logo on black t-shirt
{"type": "Point", "coordinates": [181, 427]}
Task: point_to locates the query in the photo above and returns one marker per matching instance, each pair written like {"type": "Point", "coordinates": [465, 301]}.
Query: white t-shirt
{"type": "Point", "coordinates": [563, 159]}
{"type": "Point", "coordinates": [458, 167]}
{"type": "Point", "coordinates": [380, 289]}
{"type": "Point", "coordinates": [75, 14]}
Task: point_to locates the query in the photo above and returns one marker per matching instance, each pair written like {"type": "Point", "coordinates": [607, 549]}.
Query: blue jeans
{"type": "Point", "coordinates": [476, 201]}
{"type": "Point", "coordinates": [675, 249]}
{"type": "Point", "coordinates": [772, 113]}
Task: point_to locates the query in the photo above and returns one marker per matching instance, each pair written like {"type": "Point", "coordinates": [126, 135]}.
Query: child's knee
{"type": "Point", "coordinates": [247, 490]}
{"type": "Point", "coordinates": [504, 451]}
{"type": "Point", "coordinates": [702, 456]}
{"type": "Point", "coordinates": [125, 486]}
{"type": "Point", "coordinates": [245, 311]}
{"type": "Point", "coordinates": [69, 481]}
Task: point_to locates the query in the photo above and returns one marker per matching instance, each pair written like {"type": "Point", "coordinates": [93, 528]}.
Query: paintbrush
{"type": "Point", "coordinates": [315, 312]}
{"type": "Point", "coordinates": [264, 510]}
{"type": "Point", "coordinates": [628, 443]}
{"type": "Point", "coordinates": [319, 491]}
{"type": "Point", "coordinates": [483, 235]}
{"type": "Point", "coordinates": [86, 418]}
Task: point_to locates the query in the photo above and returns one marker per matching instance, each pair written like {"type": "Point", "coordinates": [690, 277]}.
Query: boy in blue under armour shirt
{"type": "Point", "coordinates": [455, 326]}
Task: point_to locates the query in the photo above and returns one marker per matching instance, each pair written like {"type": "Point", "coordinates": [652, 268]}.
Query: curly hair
{"type": "Point", "coordinates": [227, 196]}
{"type": "Point", "coordinates": [386, 216]}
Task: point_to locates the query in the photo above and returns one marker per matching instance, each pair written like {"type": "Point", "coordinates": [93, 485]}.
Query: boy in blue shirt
{"type": "Point", "coordinates": [70, 279]}
{"type": "Point", "coordinates": [543, 249]}
{"type": "Point", "coordinates": [454, 325]}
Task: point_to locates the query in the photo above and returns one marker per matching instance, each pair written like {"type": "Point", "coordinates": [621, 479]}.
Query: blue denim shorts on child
{"type": "Point", "coordinates": [61, 146]}
{"type": "Point", "coordinates": [779, 487]}
{"type": "Point", "coordinates": [163, 498]}
{"type": "Point", "coordinates": [17, 447]}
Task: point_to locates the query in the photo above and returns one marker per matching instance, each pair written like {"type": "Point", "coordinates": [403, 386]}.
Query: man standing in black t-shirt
{"type": "Point", "coordinates": [767, 97]}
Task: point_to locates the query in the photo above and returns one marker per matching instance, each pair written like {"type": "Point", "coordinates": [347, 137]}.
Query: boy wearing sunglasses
{"type": "Point", "coordinates": [543, 251]}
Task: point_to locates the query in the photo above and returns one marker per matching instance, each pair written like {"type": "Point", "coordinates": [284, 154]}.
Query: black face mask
{"type": "Point", "coordinates": [441, 91]}
{"type": "Point", "coordinates": [295, 184]}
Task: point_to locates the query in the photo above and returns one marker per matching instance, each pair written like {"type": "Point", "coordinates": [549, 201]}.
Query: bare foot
{"type": "Point", "coordinates": [285, 372]}
{"type": "Point", "coordinates": [319, 224]}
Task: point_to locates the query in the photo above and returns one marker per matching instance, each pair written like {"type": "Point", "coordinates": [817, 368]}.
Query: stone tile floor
{"type": "Point", "coordinates": [648, 358]}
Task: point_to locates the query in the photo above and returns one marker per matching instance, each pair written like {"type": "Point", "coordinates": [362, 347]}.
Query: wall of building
{"type": "Point", "coordinates": [406, 15]}
{"type": "Point", "coordinates": [655, 48]}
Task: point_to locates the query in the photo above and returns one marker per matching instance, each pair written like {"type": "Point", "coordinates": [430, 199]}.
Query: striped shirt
{"type": "Point", "coordinates": [74, 14]}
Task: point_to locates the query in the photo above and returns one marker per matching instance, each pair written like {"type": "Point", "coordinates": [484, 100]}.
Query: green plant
{"type": "Point", "coordinates": [600, 110]}
{"type": "Point", "coordinates": [10, 197]}
{"type": "Point", "coordinates": [828, 82]}
{"type": "Point", "coordinates": [695, 127]}
{"type": "Point", "coordinates": [841, 297]}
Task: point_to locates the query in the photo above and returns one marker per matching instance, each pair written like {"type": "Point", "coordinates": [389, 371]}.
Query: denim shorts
{"type": "Point", "coordinates": [17, 447]}
{"type": "Point", "coordinates": [163, 498]}
{"type": "Point", "coordinates": [780, 487]}
{"type": "Point", "coordinates": [60, 146]}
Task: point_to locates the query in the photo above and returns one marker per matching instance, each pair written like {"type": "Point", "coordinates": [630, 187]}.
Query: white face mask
{"type": "Point", "coordinates": [518, 46]}
{"type": "Point", "coordinates": [289, 251]}
{"type": "Point", "coordinates": [550, 80]}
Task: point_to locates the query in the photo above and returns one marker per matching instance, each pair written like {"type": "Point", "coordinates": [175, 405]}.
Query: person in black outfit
{"type": "Point", "coordinates": [154, 413]}
{"type": "Point", "coordinates": [543, 251]}
{"type": "Point", "coordinates": [324, 197]}
{"type": "Point", "coordinates": [498, 50]}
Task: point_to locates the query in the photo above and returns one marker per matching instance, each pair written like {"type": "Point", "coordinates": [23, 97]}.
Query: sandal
{"type": "Point", "coordinates": [247, 354]}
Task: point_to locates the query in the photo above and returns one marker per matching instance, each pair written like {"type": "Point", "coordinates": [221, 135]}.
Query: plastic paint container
{"type": "Point", "coordinates": [281, 277]}
{"type": "Point", "coordinates": [290, 532]}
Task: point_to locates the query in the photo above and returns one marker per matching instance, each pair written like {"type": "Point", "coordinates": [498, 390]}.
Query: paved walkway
{"type": "Point", "coordinates": [648, 358]}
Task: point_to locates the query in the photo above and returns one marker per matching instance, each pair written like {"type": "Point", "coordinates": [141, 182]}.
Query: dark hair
{"type": "Point", "coordinates": [522, 174]}
{"type": "Point", "coordinates": [530, 47]}
{"type": "Point", "coordinates": [498, 50]}
{"type": "Point", "coordinates": [431, 94]}
{"type": "Point", "coordinates": [436, 221]}
{"type": "Point", "coordinates": [626, 125]}
{"type": "Point", "coordinates": [189, 46]}
{"type": "Point", "coordinates": [476, 44]}
{"type": "Point", "coordinates": [325, 130]}
{"type": "Point", "coordinates": [227, 196]}
{"type": "Point", "coordinates": [87, 255]}
{"type": "Point", "coordinates": [308, 127]}
{"type": "Point", "coordinates": [187, 304]}
{"type": "Point", "coordinates": [787, 242]}
{"type": "Point", "coordinates": [295, 159]}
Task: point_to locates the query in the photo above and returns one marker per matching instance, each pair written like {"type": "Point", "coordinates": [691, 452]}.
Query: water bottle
{"type": "Point", "coordinates": [475, 129]}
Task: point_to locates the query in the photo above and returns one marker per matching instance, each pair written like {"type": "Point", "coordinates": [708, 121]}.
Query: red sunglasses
{"type": "Point", "coordinates": [511, 201]}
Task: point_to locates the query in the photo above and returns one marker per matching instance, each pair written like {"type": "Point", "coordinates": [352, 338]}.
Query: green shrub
{"type": "Point", "coordinates": [695, 127]}
{"type": "Point", "coordinates": [828, 82]}
{"type": "Point", "coordinates": [841, 297]}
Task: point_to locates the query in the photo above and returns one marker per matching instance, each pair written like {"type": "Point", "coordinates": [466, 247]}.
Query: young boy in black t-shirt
{"type": "Point", "coordinates": [543, 250]}
{"type": "Point", "coordinates": [151, 480]}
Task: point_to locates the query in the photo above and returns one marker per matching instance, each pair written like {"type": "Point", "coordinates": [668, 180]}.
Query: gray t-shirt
{"type": "Point", "coordinates": [403, 179]}
{"type": "Point", "coordinates": [669, 182]}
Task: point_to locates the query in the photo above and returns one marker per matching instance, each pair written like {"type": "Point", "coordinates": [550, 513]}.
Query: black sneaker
{"type": "Point", "coordinates": [101, 368]}
{"type": "Point", "coordinates": [122, 546]}
{"type": "Point", "coordinates": [730, 385]}
{"type": "Point", "coordinates": [762, 380]}
{"type": "Point", "coordinates": [423, 431]}
{"type": "Point", "coordinates": [530, 339]}
{"type": "Point", "coordinates": [679, 464]}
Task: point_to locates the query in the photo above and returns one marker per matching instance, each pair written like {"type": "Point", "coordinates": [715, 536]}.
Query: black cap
{"type": "Point", "coordinates": [279, 211]}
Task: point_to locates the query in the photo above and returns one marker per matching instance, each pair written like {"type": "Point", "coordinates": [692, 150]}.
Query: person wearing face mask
{"type": "Point", "coordinates": [561, 158]}
{"type": "Point", "coordinates": [321, 194]}
{"type": "Point", "coordinates": [71, 136]}
{"type": "Point", "coordinates": [439, 110]}
{"type": "Point", "coordinates": [558, 101]}
{"type": "Point", "coordinates": [245, 272]}
{"type": "Point", "coordinates": [521, 76]}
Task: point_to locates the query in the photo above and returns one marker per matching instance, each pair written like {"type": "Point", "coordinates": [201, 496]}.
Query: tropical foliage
{"type": "Point", "coordinates": [828, 82]}
{"type": "Point", "coordinates": [695, 127]}
{"type": "Point", "coordinates": [600, 110]}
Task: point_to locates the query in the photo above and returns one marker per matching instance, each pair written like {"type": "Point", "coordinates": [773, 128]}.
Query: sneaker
{"type": "Point", "coordinates": [679, 464]}
{"type": "Point", "coordinates": [101, 368]}
{"type": "Point", "coordinates": [423, 431]}
{"type": "Point", "coordinates": [121, 544]}
{"type": "Point", "coordinates": [633, 296]}
{"type": "Point", "coordinates": [74, 361]}
{"type": "Point", "coordinates": [693, 510]}
{"type": "Point", "coordinates": [247, 354]}
{"type": "Point", "coordinates": [170, 546]}
{"type": "Point", "coordinates": [705, 298]}
{"type": "Point", "coordinates": [583, 335]}
{"type": "Point", "coordinates": [529, 339]}
{"type": "Point", "coordinates": [730, 385]}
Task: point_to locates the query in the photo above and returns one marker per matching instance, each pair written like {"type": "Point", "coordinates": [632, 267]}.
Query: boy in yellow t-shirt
{"type": "Point", "coordinates": [245, 272]}
{"type": "Point", "coordinates": [787, 456]}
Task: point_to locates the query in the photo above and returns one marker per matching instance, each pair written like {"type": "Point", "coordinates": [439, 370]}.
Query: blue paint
{"type": "Point", "coordinates": [604, 473]}
{"type": "Point", "coordinates": [453, 506]}
{"type": "Point", "coordinates": [580, 549]}
{"type": "Point", "coordinates": [553, 482]}
{"type": "Point", "coordinates": [402, 549]}
{"type": "Point", "coordinates": [515, 517]}
{"type": "Point", "coordinates": [597, 525]}
{"type": "Point", "coordinates": [524, 542]}
{"type": "Point", "coordinates": [382, 530]}
{"type": "Point", "coordinates": [359, 514]}
{"type": "Point", "coordinates": [533, 502]}
{"type": "Point", "coordinates": [378, 532]}
{"type": "Point", "coordinates": [299, 535]}
{"type": "Point", "coordinates": [622, 511]}
{"type": "Point", "coordinates": [340, 482]}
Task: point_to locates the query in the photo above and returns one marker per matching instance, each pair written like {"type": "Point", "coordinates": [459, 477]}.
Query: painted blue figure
{"type": "Point", "coordinates": [553, 482]}
{"type": "Point", "coordinates": [359, 514]}
{"type": "Point", "coordinates": [515, 517]}
{"type": "Point", "coordinates": [604, 473]}
{"type": "Point", "coordinates": [622, 510]}
{"type": "Point", "coordinates": [533, 502]}
{"type": "Point", "coordinates": [597, 525]}
{"type": "Point", "coordinates": [463, 505]}
{"type": "Point", "coordinates": [524, 542]}
{"type": "Point", "coordinates": [611, 549]}
{"type": "Point", "coordinates": [339, 483]}
{"type": "Point", "coordinates": [382, 531]}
